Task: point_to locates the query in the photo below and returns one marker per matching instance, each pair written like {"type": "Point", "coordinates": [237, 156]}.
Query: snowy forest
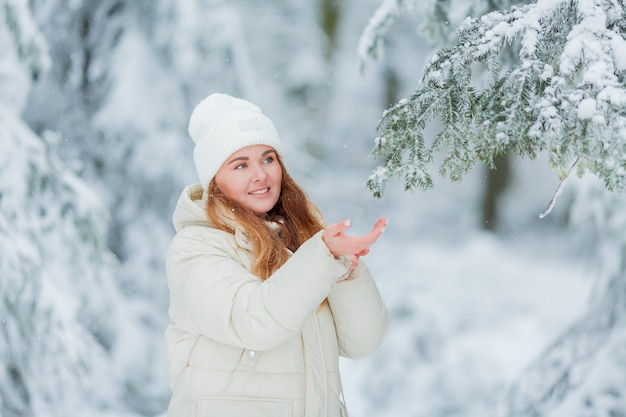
{"type": "Point", "coordinates": [491, 133]}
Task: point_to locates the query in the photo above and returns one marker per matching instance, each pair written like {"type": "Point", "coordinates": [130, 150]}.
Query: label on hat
{"type": "Point", "coordinates": [248, 125]}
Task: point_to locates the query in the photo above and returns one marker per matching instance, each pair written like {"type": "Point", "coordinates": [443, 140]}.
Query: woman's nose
{"type": "Point", "coordinates": [259, 174]}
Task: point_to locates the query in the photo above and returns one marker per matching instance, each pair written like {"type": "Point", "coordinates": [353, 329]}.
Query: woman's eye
{"type": "Point", "coordinates": [240, 166]}
{"type": "Point", "coordinates": [268, 160]}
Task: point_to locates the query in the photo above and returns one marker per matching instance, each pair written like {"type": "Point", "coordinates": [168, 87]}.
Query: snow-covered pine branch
{"type": "Point", "coordinates": [435, 18]}
{"type": "Point", "coordinates": [370, 44]}
{"type": "Point", "coordinates": [564, 93]}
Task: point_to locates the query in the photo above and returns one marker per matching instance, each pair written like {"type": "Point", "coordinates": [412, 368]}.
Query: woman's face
{"type": "Point", "coordinates": [252, 177]}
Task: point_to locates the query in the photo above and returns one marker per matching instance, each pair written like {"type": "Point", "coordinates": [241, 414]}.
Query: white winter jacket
{"type": "Point", "coordinates": [242, 347]}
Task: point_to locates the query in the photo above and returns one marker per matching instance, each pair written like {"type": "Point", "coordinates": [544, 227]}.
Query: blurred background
{"type": "Point", "coordinates": [494, 311]}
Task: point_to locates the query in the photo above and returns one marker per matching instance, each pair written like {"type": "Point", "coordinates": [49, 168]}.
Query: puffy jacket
{"type": "Point", "coordinates": [242, 347]}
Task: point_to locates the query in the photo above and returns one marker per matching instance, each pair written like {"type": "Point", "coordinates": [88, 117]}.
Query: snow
{"type": "Point", "coordinates": [618, 47]}
{"type": "Point", "coordinates": [587, 108]}
{"type": "Point", "coordinates": [466, 320]}
{"type": "Point", "coordinates": [370, 41]}
{"type": "Point", "coordinates": [604, 383]}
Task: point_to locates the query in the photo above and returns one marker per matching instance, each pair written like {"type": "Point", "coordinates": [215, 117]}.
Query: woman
{"type": "Point", "coordinates": [263, 297]}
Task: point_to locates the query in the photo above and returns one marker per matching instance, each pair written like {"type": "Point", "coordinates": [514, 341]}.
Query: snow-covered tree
{"type": "Point", "coordinates": [434, 20]}
{"type": "Point", "coordinates": [565, 95]}
{"type": "Point", "coordinates": [58, 340]}
{"type": "Point", "coordinates": [65, 331]}
{"type": "Point", "coordinates": [542, 78]}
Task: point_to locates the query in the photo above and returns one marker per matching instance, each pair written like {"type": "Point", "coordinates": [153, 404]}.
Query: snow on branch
{"type": "Point", "coordinates": [371, 41]}
{"type": "Point", "coordinates": [545, 77]}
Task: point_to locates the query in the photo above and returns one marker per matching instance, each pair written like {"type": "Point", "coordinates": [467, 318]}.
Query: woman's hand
{"type": "Point", "coordinates": [353, 247]}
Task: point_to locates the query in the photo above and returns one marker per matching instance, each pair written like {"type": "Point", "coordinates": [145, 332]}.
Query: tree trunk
{"type": "Point", "coordinates": [497, 180]}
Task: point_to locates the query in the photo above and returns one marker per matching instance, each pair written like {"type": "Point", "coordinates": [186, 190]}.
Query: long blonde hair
{"type": "Point", "coordinates": [295, 214]}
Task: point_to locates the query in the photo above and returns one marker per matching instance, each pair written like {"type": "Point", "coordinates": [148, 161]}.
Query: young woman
{"type": "Point", "coordinates": [264, 297]}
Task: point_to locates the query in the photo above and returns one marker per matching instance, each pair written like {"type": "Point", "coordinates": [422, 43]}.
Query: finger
{"type": "Point", "coordinates": [345, 225]}
{"type": "Point", "coordinates": [363, 252]}
{"type": "Point", "coordinates": [381, 224]}
{"type": "Point", "coordinates": [377, 230]}
{"type": "Point", "coordinates": [338, 228]}
{"type": "Point", "coordinates": [354, 261]}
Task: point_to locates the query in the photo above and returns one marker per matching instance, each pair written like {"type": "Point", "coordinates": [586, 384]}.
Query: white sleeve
{"type": "Point", "coordinates": [360, 315]}
{"type": "Point", "coordinates": [224, 301]}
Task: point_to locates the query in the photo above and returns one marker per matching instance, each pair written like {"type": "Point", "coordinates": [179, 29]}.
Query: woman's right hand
{"type": "Point", "coordinates": [341, 244]}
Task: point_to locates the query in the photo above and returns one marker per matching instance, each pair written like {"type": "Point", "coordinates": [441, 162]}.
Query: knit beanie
{"type": "Point", "coordinates": [220, 125]}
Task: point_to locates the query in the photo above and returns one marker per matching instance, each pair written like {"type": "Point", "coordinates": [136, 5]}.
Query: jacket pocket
{"type": "Point", "coordinates": [243, 407]}
{"type": "Point", "coordinates": [208, 354]}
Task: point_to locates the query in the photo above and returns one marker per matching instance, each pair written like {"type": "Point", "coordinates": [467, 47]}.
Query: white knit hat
{"type": "Point", "coordinates": [220, 125]}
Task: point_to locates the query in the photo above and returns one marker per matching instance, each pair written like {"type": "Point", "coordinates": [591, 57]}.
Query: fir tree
{"type": "Point", "coordinates": [67, 335]}
{"type": "Point", "coordinates": [564, 94]}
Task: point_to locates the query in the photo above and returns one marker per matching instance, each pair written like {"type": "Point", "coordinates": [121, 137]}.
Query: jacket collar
{"type": "Point", "coordinates": [190, 211]}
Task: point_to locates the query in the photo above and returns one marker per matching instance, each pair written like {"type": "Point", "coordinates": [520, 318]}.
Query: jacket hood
{"type": "Point", "coordinates": [190, 211]}
{"type": "Point", "coordinates": [190, 208]}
